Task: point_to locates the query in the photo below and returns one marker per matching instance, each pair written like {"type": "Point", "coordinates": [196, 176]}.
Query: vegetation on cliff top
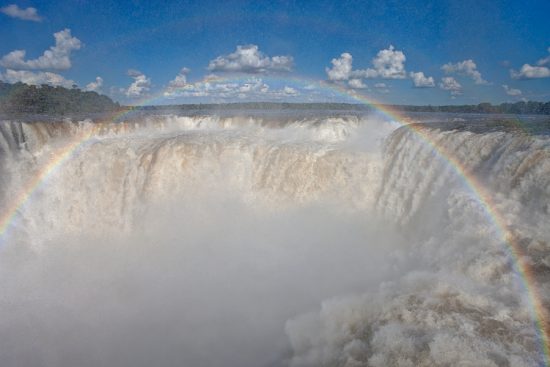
{"type": "Point", "coordinates": [45, 99]}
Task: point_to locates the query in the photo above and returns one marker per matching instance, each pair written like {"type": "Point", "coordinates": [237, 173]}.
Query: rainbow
{"type": "Point", "coordinates": [525, 273]}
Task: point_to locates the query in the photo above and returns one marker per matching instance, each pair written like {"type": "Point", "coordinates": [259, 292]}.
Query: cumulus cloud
{"type": "Point", "coordinates": [36, 78]}
{"type": "Point", "coordinates": [289, 91]}
{"type": "Point", "coordinates": [466, 67]}
{"type": "Point", "coordinates": [249, 59]}
{"type": "Point", "coordinates": [96, 85]}
{"type": "Point", "coordinates": [449, 83]}
{"type": "Point", "coordinates": [421, 81]}
{"type": "Point", "coordinates": [530, 72]}
{"type": "Point", "coordinates": [511, 91]}
{"type": "Point", "coordinates": [140, 86]}
{"type": "Point", "coordinates": [357, 84]}
{"type": "Point", "coordinates": [388, 64]}
{"type": "Point", "coordinates": [15, 11]}
{"type": "Point", "coordinates": [341, 68]}
{"type": "Point", "coordinates": [57, 57]}
{"type": "Point", "coordinates": [179, 82]}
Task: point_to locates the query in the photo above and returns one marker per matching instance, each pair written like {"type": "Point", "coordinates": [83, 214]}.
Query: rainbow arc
{"type": "Point", "coordinates": [514, 249]}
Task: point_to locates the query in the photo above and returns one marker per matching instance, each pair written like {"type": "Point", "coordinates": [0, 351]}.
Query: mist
{"type": "Point", "coordinates": [212, 241]}
{"type": "Point", "coordinates": [209, 282]}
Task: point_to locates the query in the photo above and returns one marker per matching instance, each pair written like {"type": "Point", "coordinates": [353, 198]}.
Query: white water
{"type": "Point", "coordinates": [212, 241]}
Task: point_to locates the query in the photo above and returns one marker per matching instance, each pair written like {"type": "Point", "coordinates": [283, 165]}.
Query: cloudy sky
{"type": "Point", "coordinates": [144, 52]}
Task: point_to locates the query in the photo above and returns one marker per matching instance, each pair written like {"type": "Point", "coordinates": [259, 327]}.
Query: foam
{"type": "Point", "coordinates": [147, 209]}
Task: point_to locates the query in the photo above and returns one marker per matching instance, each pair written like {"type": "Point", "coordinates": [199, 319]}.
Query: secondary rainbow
{"type": "Point", "coordinates": [522, 268]}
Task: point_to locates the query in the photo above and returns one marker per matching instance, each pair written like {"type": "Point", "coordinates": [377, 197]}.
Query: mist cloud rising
{"type": "Point", "coordinates": [210, 283]}
{"type": "Point", "coordinates": [267, 241]}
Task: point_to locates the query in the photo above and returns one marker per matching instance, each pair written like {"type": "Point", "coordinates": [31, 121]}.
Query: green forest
{"type": "Point", "coordinates": [45, 99]}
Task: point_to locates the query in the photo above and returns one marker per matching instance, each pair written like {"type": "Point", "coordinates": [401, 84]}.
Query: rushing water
{"type": "Point", "coordinates": [321, 239]}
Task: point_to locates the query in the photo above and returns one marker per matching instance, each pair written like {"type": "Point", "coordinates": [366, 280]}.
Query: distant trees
{"type": "Point", "coordinates": [526, 108]}
{"type": "Point", "coordinates": [45, 99]}
{"type": "Point", "coordinates": [517, 108]}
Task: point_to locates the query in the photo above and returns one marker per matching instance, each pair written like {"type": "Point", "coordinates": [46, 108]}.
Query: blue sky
{"type": "Point", "coordinates": [414, 52]}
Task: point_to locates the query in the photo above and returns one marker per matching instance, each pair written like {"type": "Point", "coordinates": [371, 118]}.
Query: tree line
{"type": "Point", "coordinates": [517, 108]}
{"type": "Point", "coordinates": [45, 99]}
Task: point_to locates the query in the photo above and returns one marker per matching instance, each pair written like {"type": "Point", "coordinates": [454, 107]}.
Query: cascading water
{"type": "Point", "coordinates": [201, 241]}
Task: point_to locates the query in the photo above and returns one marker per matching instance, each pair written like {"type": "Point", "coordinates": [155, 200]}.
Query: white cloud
{"type": "Point", "coordinates": [36, 78]}
{"type": "Point", "coordinates": [254, 85]}
{"type": "Point", "coordinates": [246, 87]}
{"type": "Point", "coordinates": [57, 57]}
{"type": "Point", "coordinates": [15, 11]}
{"type": "Point", "coordinates": [466, 67]}
{"type": "Point", "coordinates": [282, 63]}
{"type": "Point", "coordinates": [249, 59]}
{"type": "Point", "coordinates": [388, 64]}
{"type": "Point", "coordinates": [289, 91]}
{"type": "Point", "coordinates": [449, 83]}
{"type": "Point", "coordinates": [511, 91]}
{"type": "Point", "coordinates": [530, 72]}
{"type": "Point", "coordinates": [421, 81]}
{"type": "Point", "coordinates": [140, 86]}
{"type": "Point", "coordinates": [211, 87]}
{"type": "Point", "coordinates": [357, 84]}
{"type": "Point", "coordinates": [133, 73]}
{"type": "Point", "coordinates": [341, 68]}
{"type": "Point", "coordinates": [96, 85]}
{"type": "Point", "coordinates": [179, 82]}
{"type": "Point", "coordinates": [219, 90]}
